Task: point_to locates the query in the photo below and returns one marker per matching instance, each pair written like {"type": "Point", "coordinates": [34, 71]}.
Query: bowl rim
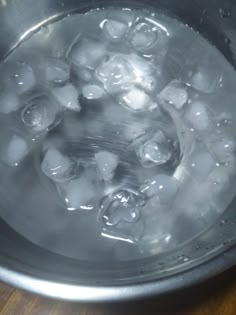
{"type": "Point", "coordinates": [95, 294]}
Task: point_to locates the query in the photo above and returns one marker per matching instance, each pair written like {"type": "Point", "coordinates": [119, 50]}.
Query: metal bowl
{"type": "Point", "coordinates": [30, 267]}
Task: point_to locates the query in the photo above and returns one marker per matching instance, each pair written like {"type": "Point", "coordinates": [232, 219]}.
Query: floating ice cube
{"type": "Point", "coordinates": [197, 116]}
{"type": "Point", "coordinates": [201, 164]}
{"type": "Point", "coordinates": [57, 166]}
{"type": "Point", "coordinates": [219, 179]}
{"type": "Point", "coordinates": [135, 129]}
{"type": "Point", "coordinates": [14, 150]}
{"type": "Point", "coordinates": [143, 36]}
{"type": "Point", "coordinates": [124, 232]}
{"type": "Point", "coordinates": [120, 216]}
{"type": "Point", "coordinates": [78, 193]}
{"type": "Point", "coordinates": [92, 92]}
{"type": "Point", "coordinates": [126, 16]}
{"type": "Point", "coordinates": [114, 30]}
{"type": "Point", "coordinates": [57, 71]}
{"type": "Point", "coordinates": [21, 75]}
{"type": "Point", "coordinates": [181, 173]}
{"type": "Point", "coordinates": [83, 74]}
{"type": "Point", "coordinates": [136, 100]}
{"type": "Point", "coordinates": [224, 123]}
{"type": "Point", "coordinates": [224, 149]}
{"type": "Point", "coordinates": [154, 149]}
{"type": "Point", "coordinates": [107, 163]}
{"type": "Point", "coordinates": [206, 79]}
{"type": "Point", "coordinates": [9, 102]}
{"type": "Point", "coordinates": [68, 97]}
{"type": "Point", "coordinates": [163, 186]}
{"type": "Point", "coordinates": [87, 53]}
{"type": "Point", "coordinates": [174, 93]}
{"type": "Point", "coordinates": [122, 205]}
{"type": "Point", "coordinates": [115, 74]}
{"type": "Point", "coordinates": [143, 72]}
{"type": "Point", "coordinates": [40, 114]}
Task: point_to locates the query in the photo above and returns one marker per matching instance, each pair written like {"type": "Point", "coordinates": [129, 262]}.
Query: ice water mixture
{"type": "Point", "coordinates": [117, 135]}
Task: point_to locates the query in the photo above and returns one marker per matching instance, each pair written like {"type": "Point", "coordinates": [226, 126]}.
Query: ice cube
{"type": "Point", "coordinates": [87, 53]}
{"type": "Point", "coordinates": [68, 97]}
{"type": "Point", "coordinates": [124, 232]}
{"type": "Point", "coordinates": [224, 123]}
{"type": "Point", "coordinates": [9, 102]}
{"type": "Point", "coordinates": [154, 149]}
{"type": "Point", "coordinates": [135, 129]}
{"type": "Point", "coordinates": [122, 205]}
{"type": "Point", "coordinates": [219, 179]}
{"type": "Point", "coordinates": [201, 164]}
{"type": "Point", "coordinates": [57, 166]}
{"type": "Point", "coordinates": [143, 72]}
{"type": "Point", "coordinates": [136, 100]}
{"type": "Point", "coordinates": [77, 193]}
{"type": "Point", "coordinates": [107, 163]}
{"type": "Point", "coordinates": [120, 216]}
{"type": "Point", "coordinates": [92, 92]}
{"type": "Point", "coordinates": [163, 186]}
{"type": "Point", "coordinates": [40, 114]}
{"type": "Point", "coordinates": [224, 149]}
{"type": "Point", "coordinates": [57, 71]}
{"type": "Point", "coordinates": [174, 93]}
{"type": "Point", "coordinates": [115, 74]}
{"type": "Point", "coordinates": [21, 75]}
{"type": "Point", "coordinates": [126, 16]}
{"type": "Point", "coordinates": [114, 30]}
{"type": "Point", "coordinates": [197, 116]}
{"type": "Point", "coordinates": [83, 74]}
{"type": "Point", "coordinates": [14, 150]}
{"type": "Point", "coordinates": [206, 79]}
{"type": "Point", "coordinates": [143, 36]}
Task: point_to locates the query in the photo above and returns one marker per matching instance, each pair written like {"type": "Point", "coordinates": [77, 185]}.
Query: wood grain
{"type": "Point", "coordinates": [215, 297]}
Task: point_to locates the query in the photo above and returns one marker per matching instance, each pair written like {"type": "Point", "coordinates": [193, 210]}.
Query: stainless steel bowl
{"type": "Point", "coordinates": [30, 267]}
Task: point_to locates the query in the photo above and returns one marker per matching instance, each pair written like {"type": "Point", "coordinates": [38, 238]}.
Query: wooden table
{"type": "Point", "coordinates": [216, 297]}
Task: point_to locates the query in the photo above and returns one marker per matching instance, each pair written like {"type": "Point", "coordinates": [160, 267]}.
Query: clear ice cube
{"type": "Point", "coordinates": [175, 93]}
{"type": "Point", "coordinates": [122, 205]}
{"type": "Point", "coordinates": [154, 149]}
{"type": "Point", "coordinates": [143, 36]}
{"type": "Point", "coordinates": [92, 92]}
{"type": "Point", "coordinates": [224, 123]}
{"type": "Point", "coordinates": [223, 148]}
{"type": "Point", "coordinates": [143, 72]}
{"type": "Point", "coordinates": [114, 30]}
{"type": "Point", "coordinates": [9, 102]}
{"type": "Point", "coordinates": [83, 74]}
{"type": "Point", "coordinates": [197, 116]}
{"type": "Point", "coordinates": [136, 100]}
{"type": "Point", "coordinates": [107, 163]}
{"type": "Point", "coordinates": [201, 164]}
{"type": "Point", "coordinates": [115, 74]}
{"type": "Point", "coordinates": [56, 71]}
{"type": "Point", "coordinates": [126, 16]}
{"type": "Point", "coordinates": [135, 130]}
{"type": "Point", "coordinates": [67, 96]}
{"type": "Point", "coordinates": [14, 149]}
{"type": "Point", "coordinates": [206, 79]}
{"type": "Point", "coordinates": [40, 114]}
{"type": "Point", "coordinates": [58, 167]}
{"type": "Point", "coordinates": [120, 216]}
{"type": "Point", "coordinates": [86, 53]}
{"type": "Point", "coordinates": [124, 232]}
{"type": "Point", "coordinates": [219, 179]}
{"type": "Point", "coordinates": [78, 193]}
{"type": "Point", "coordinates": [21, 76]}
{"type": "Point", "coordinates": [162, 186]}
